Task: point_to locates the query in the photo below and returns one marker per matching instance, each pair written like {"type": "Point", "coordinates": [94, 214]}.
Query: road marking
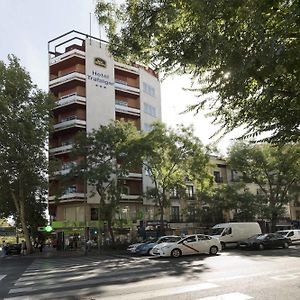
{"type": "Point", "coordinates": [286, 276]}
{"type": "Point", "coordinates": [162, 292]}
{"type": "Point", "coordinates": [231, 296]}
{"type": "Point", "coordinates": [1, 277]}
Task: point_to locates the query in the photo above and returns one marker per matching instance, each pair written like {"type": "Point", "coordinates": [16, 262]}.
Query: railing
{"type": "Point", "coordinates": [69, 99]}
{"type": "Point", "coordinates": [65, 55]}
{"type": "Point", "coordinates": [70, 123]}
{"type": "Point", "coordinates": [67, 77]}
{"type": "Point", "coordinates": [61, 149]}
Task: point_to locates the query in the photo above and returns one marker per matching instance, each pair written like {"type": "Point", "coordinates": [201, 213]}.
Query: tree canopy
{"type": "Point", "coordinates": [106, 158]}
{"type": "Point", "coordinates": [242, 55]}
{"type": "Point", "coordinates": [171, 158]}
{"type": "Point", "coordinates": [274, 171]}
{"type": "Point", "coordinates": [24, 126]}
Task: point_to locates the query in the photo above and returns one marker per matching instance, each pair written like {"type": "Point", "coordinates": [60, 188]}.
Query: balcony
{"type": "Point", "coordinates": [70, 122]}
{"type": "Point", "coordinates": [61, 150]}
{"type": "Point", "coordinates": [67, 55]}
{"type": "Point", "coordinates": [66, 78]}
{"type": "Point", "coordinates": [122, 85]}
{"type": "Point", "coordinates": [68, 197]}
{"type": "Point", "coordinates": [131, 198]}
{"type": "Point", "coordinates": [73, 98]}
{"type": "Point", "coordinates": [122, 106]}
{"type": "Point", "coordinates": [126, 68]}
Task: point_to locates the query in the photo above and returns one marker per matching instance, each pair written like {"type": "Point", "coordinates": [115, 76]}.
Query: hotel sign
{"type": "Point", "coordinates": [100, 62]}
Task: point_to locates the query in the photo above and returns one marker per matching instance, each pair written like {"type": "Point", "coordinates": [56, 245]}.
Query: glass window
{"type": "Point", "coordinates": [94, 214]}
{"type": "Point", "coordinates": [175, 213]}
{"type": "Point", "coordinates": [190, 239]}
{"type": "Point", "coordinates": [148, 89]}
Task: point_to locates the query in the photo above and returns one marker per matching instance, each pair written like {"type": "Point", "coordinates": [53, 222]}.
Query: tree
{"type": "Point", "coordinates": [171, 158]}
{"type": "Point", "coordinates": [274, 170]}
{"type": "Point", "coordinates": [106, 159]}
{"type": "Point", "coordinates": [24, 126]}
{"type": "Point", "coordinates": [244, 52]}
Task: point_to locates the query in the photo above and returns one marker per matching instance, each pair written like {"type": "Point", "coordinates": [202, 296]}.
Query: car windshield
{"type": "Point", "coordinates": [283, 233]}
{"type": "Point", "coordinates": [217, 231]}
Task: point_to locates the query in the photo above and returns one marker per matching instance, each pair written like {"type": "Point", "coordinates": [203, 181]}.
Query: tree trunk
{"type": "Point", "coordinates": [111, 232]}
{"type": "Point", "coordinates": [19, 204]}
{"type": "Point", "coordinates": [162, 225]}
{"type": "Point", "coordinates": [24, 227]}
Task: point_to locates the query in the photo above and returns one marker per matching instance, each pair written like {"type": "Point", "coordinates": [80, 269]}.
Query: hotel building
{"type": "Point", "coordinates": [93, 89]}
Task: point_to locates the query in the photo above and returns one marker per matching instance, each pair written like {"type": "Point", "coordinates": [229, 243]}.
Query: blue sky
{"type": "Point", "coordinates": [26, 26]}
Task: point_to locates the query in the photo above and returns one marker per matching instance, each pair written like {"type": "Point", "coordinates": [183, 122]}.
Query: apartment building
{"type": "Point", "coordinates": [93, 89]}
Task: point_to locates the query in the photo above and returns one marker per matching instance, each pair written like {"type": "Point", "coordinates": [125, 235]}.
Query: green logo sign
{"type": "Point", "coordinates": [100, 62]}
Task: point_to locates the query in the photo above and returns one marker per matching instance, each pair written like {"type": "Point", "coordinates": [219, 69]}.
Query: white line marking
{"type": "Point", "coordinates": [231, 296]}
{"type": "Point", "coordinates": [161, 292]}
{"type": "Point", "coordinates": [1, 277]}
{"type": "Point", "coordinates": [21, 290]}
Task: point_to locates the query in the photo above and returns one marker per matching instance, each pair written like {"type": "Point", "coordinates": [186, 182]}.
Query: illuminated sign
{"type": "Point", "coordinates": [100, 62]}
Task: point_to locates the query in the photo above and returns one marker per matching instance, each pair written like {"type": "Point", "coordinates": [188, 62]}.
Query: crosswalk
{"type": "Point", "coordinates": [87, 278]}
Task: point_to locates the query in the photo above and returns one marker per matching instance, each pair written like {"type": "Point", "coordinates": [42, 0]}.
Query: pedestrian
{"type": "Point", "coordinates": [40, 246]}
{"type": "Point", "coordinates": [23, 248]}
{"type": "Point", "coordinates": [4, 248]}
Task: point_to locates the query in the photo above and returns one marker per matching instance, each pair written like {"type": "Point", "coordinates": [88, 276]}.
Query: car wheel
{"type": "Point", "coordinates": [261, 247]}
{"type": "Point", "coordinates": [176, 253]}
{"type": "Point", "coordinates": [285, 245]}
{"type": "Point", "coordinates": [148, 252]}
{"type": "Point", "coordinates": [223, 245]}
{"type": "Point", "coordinates": [213, 250]}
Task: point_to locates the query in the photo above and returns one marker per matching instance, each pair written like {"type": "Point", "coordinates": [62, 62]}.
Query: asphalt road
{"type": "Point", "coordinates": [231, 275]}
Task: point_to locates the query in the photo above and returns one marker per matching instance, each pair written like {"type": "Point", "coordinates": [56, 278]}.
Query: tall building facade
{"type": "Point", "coordinates": [93, 89]}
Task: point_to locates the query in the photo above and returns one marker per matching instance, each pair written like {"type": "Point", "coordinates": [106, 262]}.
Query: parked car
{"type": "Point", "coordinates": [131, 248]}
{"type": "Point", "coordinates": [263, 241]}
{"type": "Point", "coordinates": [230, 234]}
{"type": "Point", "coordinates": [292, 234]}
{"type": "Point", "coordinates": [192, 244]}
{"type": "Point", "coordinates": [13, 249]}
{"type": "Point", "coordinates": [146, 248]}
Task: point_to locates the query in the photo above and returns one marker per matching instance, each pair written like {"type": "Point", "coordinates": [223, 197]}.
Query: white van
{"type": "Point", "coordinates": [232, 233]}
{"type": "Point", "coordinates": [292, 234]}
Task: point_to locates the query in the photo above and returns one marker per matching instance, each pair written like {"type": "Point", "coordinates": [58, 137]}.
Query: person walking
{"type": "Point", "coordinates": [23, 248]}
{"type": "Point", "coordinates": [4, 248]}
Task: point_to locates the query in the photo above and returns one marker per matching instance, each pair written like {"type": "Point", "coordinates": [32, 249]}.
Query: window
{"type": "Point", "coordinates": [190, 239]}
{"type": "Point", "coordinates": [70, 189]}
{"type": "Point", "coordinates": [147, 127]}
{"type": "Point", "coordinates": [148, 89]}
{"type": "Point", "coordinates": [203, 237]}
{"type": "Point", "coordinates": [150, 110]}
{"type": "Point", "coordinates": [125, 190]}
{"type": "Point", "coordinates": [190, 191]}
{"type": "Point", "coordinates": [175, 213]}
{"type": "Point", "coordinates": [218, 177]}
{"type": "Point", "coordinates": [94, 214]}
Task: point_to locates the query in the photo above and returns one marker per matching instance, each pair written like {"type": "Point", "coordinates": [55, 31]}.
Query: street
{"type": "Point", "coordinates": [231, 275]}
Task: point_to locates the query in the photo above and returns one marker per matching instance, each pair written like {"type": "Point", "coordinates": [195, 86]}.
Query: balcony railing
{"type": "Point", "coordinates": [66, 78]}
{"type": "Point", "coordinates": [68, 196]}
{"type": "Point", "coordinates": [61, 149]}
{"type": "Point", "coordinates": [123, 86]}
{"type": "Point", "coordinates": [64, 56]}
{"type": "Point", "coordinates": [127, 110]}
{"type": "Point", "coordinates": [69, 123]}
{"type": "Point", "coordinates": [70, 99]}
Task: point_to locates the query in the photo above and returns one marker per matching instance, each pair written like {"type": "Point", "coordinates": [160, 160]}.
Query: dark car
{"type": "Point", "coordinates": [13, 249]}
{"type": "Point", "coordinates": [263, 241]}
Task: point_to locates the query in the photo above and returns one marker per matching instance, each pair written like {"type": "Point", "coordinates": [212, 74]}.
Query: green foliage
{"type": "Point", "coordinates": [171, 158]}
{"type": "Point", "coordinates": [274, 170]}
{"type": "Point", "coordinates": [244, 52]}
{"type": "Point", "coordinates": [106, 159]}
{"type": "Point", "coordinates": [24, 126]}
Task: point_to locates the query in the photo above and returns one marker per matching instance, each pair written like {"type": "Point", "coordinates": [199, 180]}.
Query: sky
{"type": "Point", "coordinates": [26, 26]}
